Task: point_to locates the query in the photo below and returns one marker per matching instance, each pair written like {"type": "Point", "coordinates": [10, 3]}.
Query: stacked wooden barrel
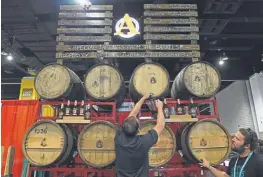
{"type": "Point", "coordinates": [204, 139]}
{"type": "Point", "coordinates": [55, 81]}
{"type": "Point", "coordinates": [198, 79]}
{"type": "Point", "coordinates": [104, 82]}
{"type": "Point", "coordinates": [149, 77]}
{"type": "Point", "coordinates": [164, 149]}
{"type": "Point", "coordinates": [96, 144]}
{"type": "Point", "coordinates": [47, 143]}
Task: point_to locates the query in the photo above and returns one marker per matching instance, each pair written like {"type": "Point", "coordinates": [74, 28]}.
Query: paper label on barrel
{"type": "Point", "coordinates": [103, 82]}
{"type": "Point", "coordinates": [150, 78]}
{"type": "Point", "coordinates": [44, 144]}
{"type": "Point", "coordinates": [52, 81]}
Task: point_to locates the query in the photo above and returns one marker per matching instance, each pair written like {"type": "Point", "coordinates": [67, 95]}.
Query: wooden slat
{"type": "Point", "coordinates": [85, 22]}
{"type": "Point", "coordinates": [85, 15]}
{"type": "Point", "coordinates": [81, 8]}
{"type": "Point", "coordinates": [138, 47]}
{"type": "Point", "coordinates": [149, 21]}
{"type": "Point", "coordinates": [171, 37]}
{"type": "Point", "coordinates": [170, 6]}
{"type": "Point", "coordinates": [77, 55]}
{"type": "Point", "coordinates": [61, 121]}
{"type": "Point", "coordinates": [161, 29]}
{"type": "Point", "coordinates": [72, 55]}
{"type": "Point", "coordinates": [9, 160]}
{"type": "Point", "coordinates": [151, 54]}
{"type": "Point", "coordinates": [73, 118]}
{"type": "Point", "coordinates": [84, 30]}
{"type": "Point", "coordinates": [170, 13]}
{"type": "Point", "coordinates": [84, 38]}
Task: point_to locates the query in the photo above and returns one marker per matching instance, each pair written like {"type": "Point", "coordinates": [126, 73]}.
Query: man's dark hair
{"type": "Point", "coordinates": [250, 138]}
{"type": "Point", "coordinates": [130, 126]}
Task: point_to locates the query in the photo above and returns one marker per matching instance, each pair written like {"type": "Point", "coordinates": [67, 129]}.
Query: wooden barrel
{"type": "Point", "coordinates": [47, 143]}
{"type": "Point", "coordinates": [205, 139]}
{"type": "Point", "coordinates": [104, 82]}
{"type": "Point", "coordinates": [56, 81]}
{"type": "Point", "coordinates": [199, 79]}
{"type": "Point", "coordinates": [96, 144]}
{"type": "Point", "coordinates": [164, 149]}
{"type": "Point", "coordinates": [149, 77]}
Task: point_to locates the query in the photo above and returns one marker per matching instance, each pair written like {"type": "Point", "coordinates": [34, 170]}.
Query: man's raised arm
{"type": "Point", "coordinates": [138, 105]}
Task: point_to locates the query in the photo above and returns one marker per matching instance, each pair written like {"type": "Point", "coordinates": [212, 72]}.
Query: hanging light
{"type": "Point", "coordinates": [9, 57]}
{"type": "Point", "coordinates": [221, 62]}
{"type": "Point", "coordinates": [86, 3]}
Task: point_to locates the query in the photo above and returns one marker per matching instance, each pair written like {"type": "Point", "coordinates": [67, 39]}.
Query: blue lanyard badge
{"type": "Point", "coordinates": [242, 168]}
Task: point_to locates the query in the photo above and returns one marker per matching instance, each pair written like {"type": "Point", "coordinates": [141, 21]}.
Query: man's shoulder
{"type": "Point", "coordinates": [151, 133]}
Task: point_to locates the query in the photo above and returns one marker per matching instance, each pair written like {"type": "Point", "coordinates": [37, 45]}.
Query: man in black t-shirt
{"type": "Point", "coordinates": [248, 163]}
{"type": "Point", "coordinates": [132, 149]}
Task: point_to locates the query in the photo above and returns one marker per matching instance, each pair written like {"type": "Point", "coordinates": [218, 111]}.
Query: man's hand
{"type": "Point", "coordinates": [146, 96]}
{"type": "Point", "coordinates": [214, 171]}
{"type": "Point", "coordinates": [138, 105]}
{"type": "Point", "coordinates": [159, 104]}
{"type": "Point", "coordinates": [205, 163]}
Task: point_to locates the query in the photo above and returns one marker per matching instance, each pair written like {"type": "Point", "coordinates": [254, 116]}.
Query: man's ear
{"type": "Point", "coordinates": [247, 146]}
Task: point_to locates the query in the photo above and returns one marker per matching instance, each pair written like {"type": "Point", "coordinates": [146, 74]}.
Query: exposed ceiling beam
{"type": "Point", "coordinates": [227, 48]}
{"type": "Point", "coordinates": [234, 36]}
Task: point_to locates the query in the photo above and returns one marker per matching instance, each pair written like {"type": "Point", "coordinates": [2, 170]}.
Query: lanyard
{"type": "Point", "coordinates": [242, 168]}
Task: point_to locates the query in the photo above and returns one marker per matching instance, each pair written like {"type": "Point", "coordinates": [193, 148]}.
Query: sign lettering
{"type": "Point", "coordinates": [128, 55]}
{"type": "Point", "coordinates": [126, 47]}
{"type": "Point", "coordinates": [161, 29]}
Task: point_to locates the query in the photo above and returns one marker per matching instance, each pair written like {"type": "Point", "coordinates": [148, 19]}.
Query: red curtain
{"type": "Point", "coordinates": [16, 118]}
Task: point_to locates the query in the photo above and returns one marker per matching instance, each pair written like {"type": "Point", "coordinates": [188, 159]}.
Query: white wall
{"type": "Point", "coordinates": [256, 86]}
{"type": "Point", "coordinates": [234, 107]}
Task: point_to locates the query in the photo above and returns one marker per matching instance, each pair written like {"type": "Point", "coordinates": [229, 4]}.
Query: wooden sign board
{"type": "Point", "coordinates": [81, 8]}
{"type": "Point", "coordinates": [83, 38]}
{"type": "Point", "coordinates": [171, 29]}
{"type": "Point", "coordinates": [170, 13]}
{"type": "Point", "coordinates": [127, 55]}
{"type": "Point", "coordinates": [149, 21]}
{"type": "Point", "coordinates": [171, 37]}
{"type": "Point", "coordinates": [138, 47]}
{"type": "Point", "coordinates": [170, 6]}
{"type": "Point", "coordinates": [84, 30]}
{"type": "Point", "coordinates": [85, 22]}
{"type": "Point", "coordinates": [85, 15]}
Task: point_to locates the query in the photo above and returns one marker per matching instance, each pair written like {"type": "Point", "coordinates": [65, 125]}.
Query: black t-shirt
{"type": "Point", "coordinates": [253, 168]}
{"type": "Point", "coordinates": [132, 153]}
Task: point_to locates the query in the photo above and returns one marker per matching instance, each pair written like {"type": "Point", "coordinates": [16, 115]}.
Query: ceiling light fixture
{"type": "Point", "coordinates": [84, 2]}
{"type": "Point", "coordinates": [221, 62]}
{"type": "Point", "coordinates": [9, 57]}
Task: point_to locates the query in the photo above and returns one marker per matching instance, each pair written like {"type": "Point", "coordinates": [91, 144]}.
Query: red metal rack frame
{"type": "Point", "coordinates": [107, 117]}
{"type": "Point", "coordinates": [174, 168]}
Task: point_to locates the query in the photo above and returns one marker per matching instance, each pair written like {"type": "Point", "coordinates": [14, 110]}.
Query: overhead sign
{"type": "Point", "coordinates": [127, 23]}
